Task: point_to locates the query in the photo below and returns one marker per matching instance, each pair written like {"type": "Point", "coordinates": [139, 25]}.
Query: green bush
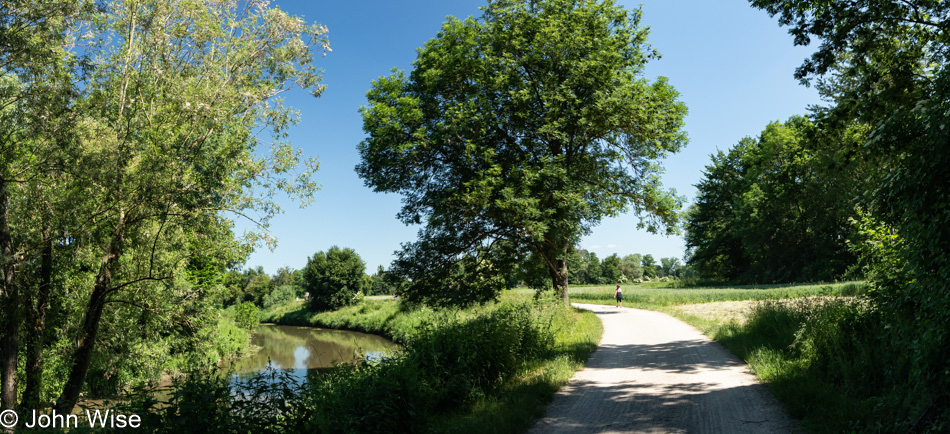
{"type": "Point", "coordinates": [212, 401]}
{"type": "Point", "coordinates": [466, 358]}
{"type": "Point", "coordinates": [279, 297]}
{"type": "Point", "coordinates": [385, 397]}
{"type": "Point", "coordinates": [247, 315]}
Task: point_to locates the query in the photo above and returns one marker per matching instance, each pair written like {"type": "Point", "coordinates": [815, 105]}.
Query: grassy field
{"type": "Point", "coordinates": [663, 295]}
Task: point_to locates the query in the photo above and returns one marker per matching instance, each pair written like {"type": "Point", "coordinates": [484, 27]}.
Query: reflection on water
{"type": "Point", "coordinates": [298, 349]}
{"type": "Point", "coordinates": [304, 348]}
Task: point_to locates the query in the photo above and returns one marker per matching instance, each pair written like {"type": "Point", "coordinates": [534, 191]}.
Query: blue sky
{"type": "Point", "coordinates": [732, 65]}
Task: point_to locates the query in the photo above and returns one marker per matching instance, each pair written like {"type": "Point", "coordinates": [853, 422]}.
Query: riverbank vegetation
{"type": "Point", "coordinates": [831, 361]}
{"type": "Point", "coordinates": [487, 368]}
{"type": "Point", "coordinates": [136, 131]}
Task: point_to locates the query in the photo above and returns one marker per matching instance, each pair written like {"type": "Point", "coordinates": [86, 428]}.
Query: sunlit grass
{"type": "Point", "coordinates": [655, 296]}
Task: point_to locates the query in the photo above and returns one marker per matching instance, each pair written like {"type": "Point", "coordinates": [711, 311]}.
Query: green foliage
{"type": "Point", "coordinates": [528, 125]}
{"type": "Point", "coordinates": [258, 287]}
{"type": "Point", "coordinates": [377, 284]}
{"type": "Point", "coordinates": [381, 317]}
{"type": "Point", "coordinates": [470, 278]}
{"type": "Point", "coordinates": [205, 401]}
{"type": "Point", "coordinates": [649, 272]}
{"type": "Point", "coordinates": [334, 279]}
{"type": "Point", "coordinates": [775, 208]}
{"type": "Point", "coordinates": [610, 270]}
{"type": "Point", "coordinates": [467, 358]}
{"type": "Point", "coordinates": [515, 353]}
{"type": "Point", "coordinates": [247, 315]}
{"type": "Point", "coordinates": [834, 363]}
{"type": "Point", "coordinates": [884, 63]}
{"type": "Point", "coordinates": [136, 130]}
{"type": "Point", "coordinates": [631, 268]}
{"type": "Point", "coordinates": [585, 268]}
{"type": "Point", "coordinates": [280, 296]}
{"type": "Point", "coordinates": [875, 55]}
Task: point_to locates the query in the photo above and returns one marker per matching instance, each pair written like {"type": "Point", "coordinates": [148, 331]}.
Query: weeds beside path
{"type": "Point", "coordinates": [825, 351]}
{"type": "Point", "coordinates": [653, 373]}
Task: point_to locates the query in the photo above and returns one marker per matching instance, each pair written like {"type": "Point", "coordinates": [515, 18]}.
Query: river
{"type": "Point", "coordinates": [301, 349]}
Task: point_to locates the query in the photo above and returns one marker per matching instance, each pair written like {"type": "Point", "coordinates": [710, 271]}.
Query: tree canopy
{"type": "Point", "coordinates": [334, 278]}
{"type": "Point", "coordinates": [515, 133]}
{"type": "Point", "coordinates": [137, 131]}
{"type": "Point", "coordinates": [884, 63]}
{"type": "Point", "coordinates": [775, 208]}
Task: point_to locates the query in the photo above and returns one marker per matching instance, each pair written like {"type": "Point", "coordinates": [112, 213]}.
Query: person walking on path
{"type": "Point", "coordinates": [619, 295]}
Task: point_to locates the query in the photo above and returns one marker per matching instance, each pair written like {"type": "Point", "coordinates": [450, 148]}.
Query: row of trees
{"type": "Point", "coordinates": [776, 208]}
{"type": "Point", "coordinates": [255, 286]}
{"type": "Point", "coordinates": [330, 279]}
{"type": "Point", "coordinates": [130, 131]}
{"type": "Point", "coordinates": [336, 278]}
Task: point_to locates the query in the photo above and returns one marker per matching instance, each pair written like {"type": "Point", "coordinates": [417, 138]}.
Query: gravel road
{"type": "Point", "coordinates": [652, 373]}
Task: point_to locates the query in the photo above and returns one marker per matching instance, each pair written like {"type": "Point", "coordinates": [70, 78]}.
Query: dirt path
{"type": "Point", "coordinates": [653, 373]}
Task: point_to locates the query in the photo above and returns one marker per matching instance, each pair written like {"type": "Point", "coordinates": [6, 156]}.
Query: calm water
{"type": "Point", "coordinates": [304, 348]}
{"type": "Point", "coordinates": [299, 349]}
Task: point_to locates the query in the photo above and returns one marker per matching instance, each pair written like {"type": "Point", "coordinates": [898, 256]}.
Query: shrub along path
{"type": "Point", "coordinates": [654, 373]}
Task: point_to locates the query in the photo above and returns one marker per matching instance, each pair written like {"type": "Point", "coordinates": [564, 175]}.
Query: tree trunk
{"type": "Point", "coordinates": [35, 341]}
{"type": "Point", "coordinates": [558, 275]}
{"type": "Point", "coordinates": [562, 275]}
{"type": "Point", "coordinates": [9, 304]}
{"type": "Point", "coordinates": [83, 353]}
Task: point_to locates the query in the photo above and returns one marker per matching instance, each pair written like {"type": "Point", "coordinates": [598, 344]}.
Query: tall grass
{"type": "Point", "coordinates": [823, 349]}
{"type": "Point", "coordinates": [382, 317]}
{"type": "Point", "coordinates": [832, 363]}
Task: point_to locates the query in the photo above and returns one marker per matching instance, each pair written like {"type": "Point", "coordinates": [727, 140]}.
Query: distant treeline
{"type": "Point", "coordinates": [327, 275]}
{"type": "Point", "coordinates": [585, 268]}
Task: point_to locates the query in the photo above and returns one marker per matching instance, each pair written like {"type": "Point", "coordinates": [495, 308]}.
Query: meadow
{"type": "Point", "coordinates": [494, 368]}
{"type": "Point", "coordinates": [661, 295]}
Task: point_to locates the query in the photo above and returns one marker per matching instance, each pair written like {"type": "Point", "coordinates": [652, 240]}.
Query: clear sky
{"type": "Point", "coordinates": [732, 65]}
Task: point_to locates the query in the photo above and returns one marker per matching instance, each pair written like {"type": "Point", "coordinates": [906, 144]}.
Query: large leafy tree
{"type": "Point", "coordinates": [631, 268]}
{"type": "Point", "coordinates": [37, 74]}
{"type": "Point", "coordinates": [874, 56]}
{"type": "Point", "coordinates": [610, 270]}
{"type": "Point", "coordinates": [164, 141]}
{"type": "Point", "coordinates": [529, 125]}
